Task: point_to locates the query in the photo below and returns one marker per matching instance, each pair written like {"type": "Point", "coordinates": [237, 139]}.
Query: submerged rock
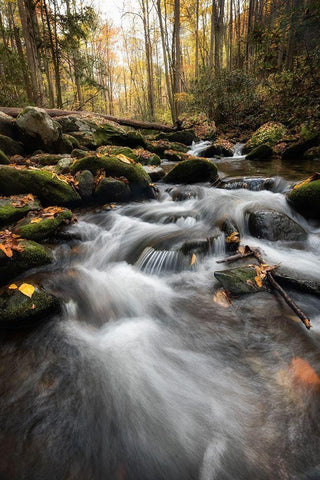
{"type": "Point", "coordinates": [48, 187]}
{"type": "Point", "coordinates": [273, 225]}
{"type": "Point", "coordinates": [192, 171]}
{"type": "Point", "coordinates": [248, 183]}
{"type": "Point", "coordinates": [306, 199]}
{"type": "Point", "coordinates": [35, 226]}
{"type": "Point", "coordinates": [232, 234]}
{"type": "Point", "coordinates": [112, 190]}
{"type": "Point", "coordinates": [14, 207]}
{"type": "Point", "coordinates": [261, 152]}
{"type": "Point", "coordinates": [239, 280]}
{"type": "Point", "coordinates": [18, 311]}
{"type": "Point", "coordinates": [37, 129]}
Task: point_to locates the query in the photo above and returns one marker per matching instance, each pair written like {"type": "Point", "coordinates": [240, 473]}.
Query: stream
{"type": "Point", "coordinates": [144, 376]}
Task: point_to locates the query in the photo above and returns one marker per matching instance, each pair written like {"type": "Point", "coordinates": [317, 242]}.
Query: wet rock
{"type": "Point", "coordinates": [273, 225]}
{"type": "Point", "coordinates": [232, 235]}
{"type": "Point", "coordinates": [249, 183]}
{"type": "Point", "coordinates": [160, 146]}
{"type": "Point", "coordinates": [46, 158]}
{"type": "Point", "coordinates": [79, 153]}
{"type": "Point", "coordinates": [192, 171]}
{"type": "Point", "coordinates": [220, 147]}
{"type": "Point", "coordinates": [18, 311]}
{"type": "Point", "coordinates": [47, 187]}
{"type": "Point", "coordinates": [261, 152]}
{"type": "Point", "coordinates": [4, 160]}
{"type": "Point", "coordinates": [179, 195]}
{"type": "Point", "coordinates": [63, 165]}
{"type": "Point", "coordinates": [293, 280]}
{"type": "Point", "coordinates": [37, 129]}
{"type": "Point", "coordinates": [108, 134]}
{"type": "Point", "coordinates": [85, 184]}
{"type": "Point", "coordinates": [112, 190]}
{"type": "Point", "coordinates": [312, 154]}
{"type": "Point", "coordinates": [198, 246]}
{"type": "Point", "coordinates": [32, 255]}
{"type": "Point", "coordinates": [115, 167]}
{"type": "Point", "coordinates": [66, 144]}
{"type": "Point", "coordinates": [185, 137]}
{"type": "Point", "coordinates": [10, 147]}
{"type": "Point", "coordinates": [297, 149]}
{"type": "Point", "coordinates": [155, 173]}
{"type": "Point", "coordinates": [36, 227]}
{"type": "Point", "coordinates": [174, 156]}
{"type": "Point", "coordinates": [306, 199]}
{"type": "Point", "coordinates": [139, 155]}
{"type": "Point", "coordinates": [239, 280]}
{"type": "Point", "coordinates": [146, 158]}
{"type": "Point", "coordinates": [15, 207]}
{"type": "Point", "coordinates": [270, 134]}
{"type": "Point", "coordinates": [6, 125]}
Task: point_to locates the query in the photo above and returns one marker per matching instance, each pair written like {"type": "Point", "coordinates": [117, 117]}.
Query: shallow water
{"type": "Point", "coordinates": [144, 376]}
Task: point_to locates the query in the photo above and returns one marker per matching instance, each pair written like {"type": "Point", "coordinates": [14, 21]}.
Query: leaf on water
{"type": "Point", "coordinates": [36, 220]}
{"type": "Point", "coordinates": [233, 238]}
{"type": "Point", "coordinates": [193, 259]}
{"type": "Point", "coordinates": [27, 289]}
{"type": "Point", "coordinates": [221, 298]}
{"type": "Point", "coordinates": [124, 159]}
{"type": "Point", "coordinates": [13, 286]}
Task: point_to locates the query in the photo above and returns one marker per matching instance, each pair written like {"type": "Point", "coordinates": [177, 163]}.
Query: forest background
{"type": "Point", "coordinates": [238, 62]}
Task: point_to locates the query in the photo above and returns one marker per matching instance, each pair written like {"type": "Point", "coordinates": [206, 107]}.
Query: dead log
{"type": "Point", "coordinates": [14, 112]}
{"type": "Point", "coordinates": [249, 251]}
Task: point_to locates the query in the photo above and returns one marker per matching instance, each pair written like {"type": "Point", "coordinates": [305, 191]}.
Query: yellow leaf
{"type": "Point", "coordinates": [13, 286]}
{"type": "Point", "coordinates": [258, 281]}
{"type": "Point", "coordinates": [193, 259]}
{"type": "Point", "coordinates": [233, 238]}
{"type": "Point", "coordinates": [36, 220]}
{"type": "Point", "coordinates": [124, 159]}
{"type": "Point", "coordinates": [27, 289]}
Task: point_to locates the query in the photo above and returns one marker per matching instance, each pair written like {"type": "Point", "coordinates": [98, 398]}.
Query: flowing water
{"type": "Point", "coordinates": [144, 376]}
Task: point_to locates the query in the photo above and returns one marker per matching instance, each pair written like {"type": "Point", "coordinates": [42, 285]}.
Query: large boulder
{"type": "Point", "coordinates": [220, 147]}
{"type": "Point", "coordinates": [37, 130]}
{"type": "Point", "coordinates": [182, 136]}
{"type": "Point", "coordinates": [18, 255]}
{"type": "Point", "coordinates": [43, 224]}
{"type": "Point", "coordinates": [192, 171]}
{"type": "Point", "coordinates": [115, 167]}
{"type": "Point", "coordinates": [6, 125]}
{"type": "Point", "coordinates": [306, 199]}
{"type": "Point", "coordinates": [15, 207]}
{"type": "Point", "coordinates": [19, 310]}
{"type": "Point", "coordinates": [273, 225]}
{"type": "Point", "coordinates": [261, 152]}
{"type": "Point", "coordinates": [4, 160]}
{"type": "Point", "coordinates": [239, 281]}
{"type": "Point", "coordinates": [138, 154]}
{"type": "Point", "coordinates": [10, 147]}
{"type": "Point", "coordinates": [297, 149]}
{"type": "Point", "coordinates": [270, 133]}
{"type": "Point", "coordinates": [48, 187]}
{"type": "Point", "coordinates": [112, 190]}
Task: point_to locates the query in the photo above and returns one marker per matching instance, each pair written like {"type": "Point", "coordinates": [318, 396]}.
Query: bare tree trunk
{"type": "Point", "coordinates": [177, 56]}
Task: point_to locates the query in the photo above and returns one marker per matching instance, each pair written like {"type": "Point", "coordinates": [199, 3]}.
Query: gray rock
{"type": "Point", "coordinates": [86, 184]}
{"type": "Point", "coordinates": [239, 280]}
{"type": "Point", "coordinates": [38, 130]}
{"type": "Point", "coordinates": [6, 125]}
{"type": "Point", "coordinates": [273, 225]}
{"type": "Point", "coordinates": [155, 173]}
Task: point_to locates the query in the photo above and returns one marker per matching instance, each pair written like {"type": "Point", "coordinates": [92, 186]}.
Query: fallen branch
{"type": "Point", "coordinates": [250, 251]}
{"type": "Point", "coordinates": [14, 112]}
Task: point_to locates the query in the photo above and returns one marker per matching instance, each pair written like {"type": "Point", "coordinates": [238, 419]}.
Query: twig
{"type": "Point", "coordinates": [233, 258]}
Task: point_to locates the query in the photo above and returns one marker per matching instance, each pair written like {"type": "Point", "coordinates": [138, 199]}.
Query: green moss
{"type": "Point", "coordinates": [10, 147]}
{"type": "Point", "coordinates": [306, 199]}
{"type": "Point", "coordinates": [33, 255]}
{"type": "Point", "coordinates": [10, 213]}
{"type": "Point", "coordinates": [160, 146]}
{"type": "Point", "coordinates": [262, 152]}
{"type": "Point", "coordinates": [146, 158]}
{"type": "Point", "coordinates": [47, 187]}
{"type": "Point", "coordinates": [113, 150]}
{"type": "Point", "coordinates": [312, 154]}
{"type": "Point", "coordinates": [239, 280]}
{"type": "Point", "coordinates": [192, 171]}
{"type": "Point", "coordinates": [182, 136]}
{"type": "Point", "coordinates": [18, 311]}
{"type": "Point", "coordinates": [44, 229]}
{"type": "Point", "coordinates": [270, 133]}
{"type": "Point", "coordinates": [4, 160]}
{"type": "Point", "coordinates": [46, 158]}
{"type": "Point", "coordinates": [114, 167]}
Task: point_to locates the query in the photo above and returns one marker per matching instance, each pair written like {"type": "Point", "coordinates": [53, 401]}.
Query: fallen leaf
{"type": "Point", "coordinates": [13, 286]}
{"type": "Point", "coordinates": [27, 289]}
{"type": "Point", "coordinates": [304, 373]}
{"type": "Point", "coordinates": [124, 159]}
{"type": "Point", "coordinates": [33, 306]}
{"type": "Point", "coordinates": [233, 238]}
{"type": "Point", "coordinates": [193, 259]}
{"type": "Point", "coordinates": [36, 220]}
{"type": "Point", "coordinates": [221, 298]}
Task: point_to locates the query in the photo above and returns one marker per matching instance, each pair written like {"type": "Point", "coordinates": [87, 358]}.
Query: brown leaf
{"type": "Point", "coordinates": [221, 298]}
{"type": "Point", "coordinates": [193, 259]}
{"type": "Point", "coordinates": [233, 238]}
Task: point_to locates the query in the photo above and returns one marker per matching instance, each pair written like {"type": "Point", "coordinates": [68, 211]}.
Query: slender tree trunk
{"type": "Point", "coordinates": [177, 56]}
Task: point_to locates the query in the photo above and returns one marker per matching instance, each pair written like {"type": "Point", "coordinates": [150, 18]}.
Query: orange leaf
{"type": "Point", "coordinates": [221, 298]}
{"type": "Point", "coordinates": [36, 220]}
{"type": "Point", "coordinates": [193, 259]}
{"type": "Point", "coordinates": [27, 289]}
{"type": "Point", "coordinates": [13, 286]}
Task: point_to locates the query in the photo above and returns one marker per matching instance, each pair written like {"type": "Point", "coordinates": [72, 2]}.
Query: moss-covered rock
{"type": "Point", "coordinates": [6, 125]}
{"type": "Point", "coordinates": [273, 225]}
{"type": "Point", "coordinates": [112, 190]}
{"type": "Point", "coordinates": [115, 167]}
{"type": "Point", "coordinates": [37, 227]}
{"type": "Point", "coordinates": [312, 154]}
{"type": "Point", "coordinates": [146, 158]}
{"type": "Point", "coordinates": [10, 147]}
{"type": "Point", "coordinates": [109, 134]}
{"type": "Point", "coordinates": [239, 280]}
{"type": "Point", "coordinates": [38, 130]}
{"type": "Point", "coordinates": [297, 149]}
{"type": "Point", "coordinates": [306, 199]}
{"type": "Point", "coordinates": [15, 207]}
{"type": "Point", "coordinates": [4, 160]}
{"type": "Point", "coordinates": [192, 171]}
{"type": "Point", "coordinates": [220, 147]}
{"type": "Point", "coordinates": [66, 144]}
{"type": "Point", "coordinates": [261, 152]}
{"type": "Point", "coordinates": [160, 146]}
{"type": "Point", "coordinates": [18, 311]}
{"type": "Point", "coordinates": [32, 255]}
{"type": "Point", "coordinates": [113, 150]}
{"type": "Point", "coordinates": [182, 136]}
{"type": "Point", "coordinates": [46, 159]}
{"type": "Point", "coordinates": [48, 187]}
{"type": "Point", "coordinates": [270, 133]}
{"type": "Point", "coordinates": [79, 153]}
